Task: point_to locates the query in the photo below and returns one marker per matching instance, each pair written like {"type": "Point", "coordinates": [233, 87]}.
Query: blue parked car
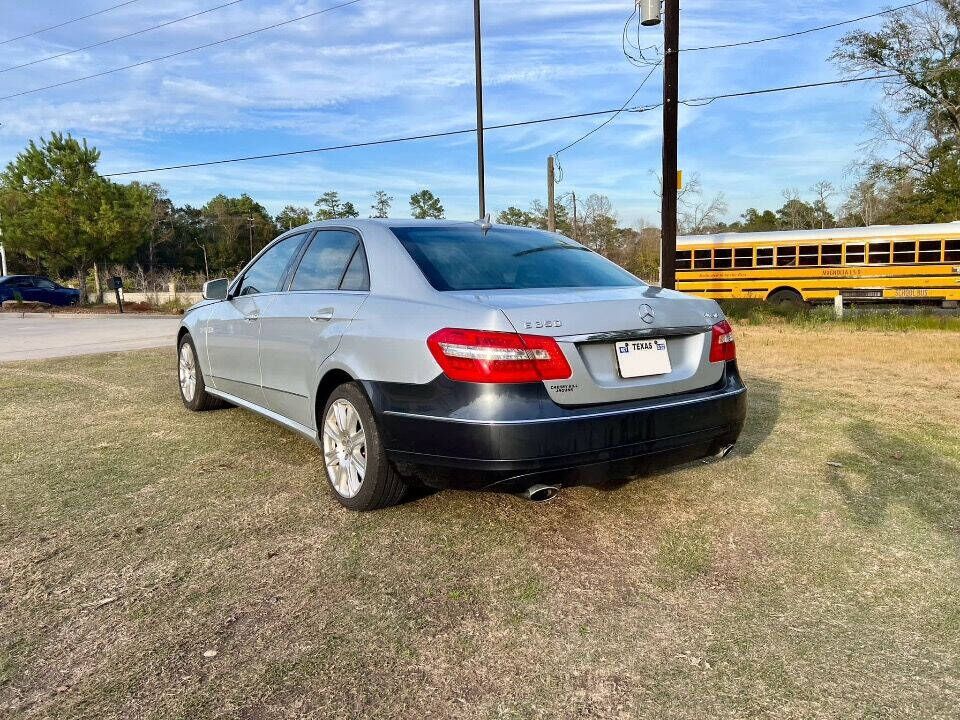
{"type": "Point", "coordinates": [36, 288]}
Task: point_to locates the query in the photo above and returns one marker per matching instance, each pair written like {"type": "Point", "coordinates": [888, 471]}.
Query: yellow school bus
{"type": "Point", "coordinates": [904, 263]}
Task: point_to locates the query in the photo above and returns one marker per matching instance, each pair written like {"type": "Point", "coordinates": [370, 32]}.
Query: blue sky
{"type": "Point", "coordinates": [384, 68]}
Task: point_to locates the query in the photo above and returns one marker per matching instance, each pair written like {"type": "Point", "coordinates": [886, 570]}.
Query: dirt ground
{"type": "Point", "coordinates": [160, 564]}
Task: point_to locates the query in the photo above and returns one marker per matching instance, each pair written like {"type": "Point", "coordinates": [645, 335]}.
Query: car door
{"type": "Point", "coordinates": [233, 327]}
{"type": "Point", "coordinates": [46, 291]}
{"type": "Point", "coordinates": [302, 327]}
{"type": "Point", "coordinates": [26, 289]}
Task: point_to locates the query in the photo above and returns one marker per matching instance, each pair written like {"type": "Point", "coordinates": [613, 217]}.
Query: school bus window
{"type": "Point", "coordinates": [743, 257]}
{"type": "Point", "coordinates": [765, 257]}
{"type": "Point", "coordinates": [930, 251]}
{"type": "Point", "coordinates": [831, 255]}
{"type": "Point", "coordinates": [787, 256]}
{"type": "Point", "coordinates": [879, 253]}
{"type": "Point", "coordinates": [905, 251]}
{"type": "Point", "coordinates": [952, 252]}
{"type": "Point", "coordinates": [809, 254]}
{"type": "Point", "coordinates": [854, 254]}
{"type": "Point", "coordinates": [701, 260]}
{"type": "Point", "coordinates": [683, 259]}
{"type": "Point", "coordinates": [723, 258]}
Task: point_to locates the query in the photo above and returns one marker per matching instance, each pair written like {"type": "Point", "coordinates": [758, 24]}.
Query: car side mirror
{"type": "Point", "coordinates": [215, 289]}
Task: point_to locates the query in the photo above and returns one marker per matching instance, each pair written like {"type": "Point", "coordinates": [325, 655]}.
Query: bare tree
{"type": "Point", "coordinates": [918, 53]}
{"type": "Point", "coordinates": [823, 191]}
{"type": "Point", "coordinates": [863, 203]}
{"type": "Point", "coordinates": [697, 215]}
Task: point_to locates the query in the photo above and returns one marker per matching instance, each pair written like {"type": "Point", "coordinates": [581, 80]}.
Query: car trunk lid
{"type": "Point", "coordinates": [589, 322]}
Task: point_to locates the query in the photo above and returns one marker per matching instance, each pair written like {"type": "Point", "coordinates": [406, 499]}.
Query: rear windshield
{"type": "Point", "coordinates": [464, 258]}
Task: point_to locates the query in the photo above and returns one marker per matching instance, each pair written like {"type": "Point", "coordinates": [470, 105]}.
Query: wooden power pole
{"type": "Point", "coordinates": [551, 202]}
{"type": "Point", "coordinates": [671, 81]}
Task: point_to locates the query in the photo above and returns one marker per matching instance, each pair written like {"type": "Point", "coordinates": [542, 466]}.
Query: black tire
{"type": "Point", "coordinates": [381, 485]}
{"type": "Point", "coordinates": [786, 297]}
{"type": "Point", "coordinates": [201, 400]}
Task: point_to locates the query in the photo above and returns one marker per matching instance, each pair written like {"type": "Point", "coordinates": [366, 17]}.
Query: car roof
{"type": "Point", "coordinates": [363, 223]}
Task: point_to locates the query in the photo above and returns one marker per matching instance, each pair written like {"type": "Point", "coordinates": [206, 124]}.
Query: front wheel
{"type": "Point", "coordinates": [356, 465]}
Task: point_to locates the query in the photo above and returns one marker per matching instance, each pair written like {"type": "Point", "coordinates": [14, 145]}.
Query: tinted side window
{"type": "Point", "coordinates": [324, 261]}
{"type": "Point", "coordinates": [879, 252]}
{"type": "Point", "coordinates": [765, 257]}
{"type": "Point", "coordinates": [267, 273]}
{"type": "Point", "coordinates": [809, 254]}
{"type": "Point", "coordinates": [45, 284]}
{"type": "Point", "coordinates": [930, 251]}
{"type": "Point", "coordinates": [743, 257]}
{"type": "Point", "coordinates": [831, 254]}
{"type": "Point", "coordinates": [905, 251]}
{"type": "Point", "coordinates": [855, 254]}
{"type": "Point", "coordinates": [952, 251]}
{"type": "Point", "coordinates": [684, 259]}
{"type": "Point", "coordinates": [723, 258]}
{"type": "Point", "coordinates": [357, 276]}
{"type": "Point", "coordinates": [787, 256]}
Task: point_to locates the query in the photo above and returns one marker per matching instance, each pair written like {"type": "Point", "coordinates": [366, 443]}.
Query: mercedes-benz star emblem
{"type": "Point", "coordinates": [646, 313]}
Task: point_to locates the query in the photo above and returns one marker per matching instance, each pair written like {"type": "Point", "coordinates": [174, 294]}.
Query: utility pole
{"type": "Point", "coordinates": [649, 16]}
{"type": "Point", "coordinates": [671, 81]}
{"type": "Point", "coordinates": [551, 206]}
{"type": "Point", "coordinates": [478, 65]}
{"type": "Point", "coordinates": [3, 254]}
{"type": "Point", "coordinates": [250, 226]}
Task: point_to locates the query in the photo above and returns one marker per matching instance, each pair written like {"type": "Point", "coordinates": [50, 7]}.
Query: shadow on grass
{"type": "Point", "coordinates": [763, 411]}
{"type": "Point", "coordinates": [896, 469]}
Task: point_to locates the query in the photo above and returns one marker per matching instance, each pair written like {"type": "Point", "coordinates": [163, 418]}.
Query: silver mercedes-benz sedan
{"type": "Point", "coordinates": [467, 355]}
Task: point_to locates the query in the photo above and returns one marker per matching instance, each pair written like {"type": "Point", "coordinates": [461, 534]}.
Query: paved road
{"type": "Point", "coordinates": [37, 336]}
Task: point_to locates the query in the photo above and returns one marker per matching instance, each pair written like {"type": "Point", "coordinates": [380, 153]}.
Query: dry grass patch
{"type": "Point", "coordinates": [815, 573]}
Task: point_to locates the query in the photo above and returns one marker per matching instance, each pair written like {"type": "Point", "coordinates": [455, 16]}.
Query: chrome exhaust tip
{"type": "Point", "coordinates": [540, 493]}
{"type": "Point", "coordinates": [724, 451]}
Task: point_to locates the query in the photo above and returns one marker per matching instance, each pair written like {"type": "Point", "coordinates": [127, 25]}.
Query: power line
{"type": "Point", "coordinates": [503, 126]}
{"type": "Point", "coordinates": [67, 22]}
{"type": "Point", "coordinates": [803, 32]}
{"type": "Point", "coordinates": [612, 117]}
{"type": "Point", "coordinates": [182, 52]}
{"type": "Point", "coordinates": [119, 37]}
{"type": "Point", "coordinates": [370, 143]}
{"type": "Point", "coordinates": [707, 100]}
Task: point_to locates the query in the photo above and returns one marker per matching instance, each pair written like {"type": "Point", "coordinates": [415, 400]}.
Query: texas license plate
{"type": "Point", "coordinates": [638, 358]}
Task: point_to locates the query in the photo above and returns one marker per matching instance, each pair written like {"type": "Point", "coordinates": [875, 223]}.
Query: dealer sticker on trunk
{"type": "Point", "coordinates": [639, 358]}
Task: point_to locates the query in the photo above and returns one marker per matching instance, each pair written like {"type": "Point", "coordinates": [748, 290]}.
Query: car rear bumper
{"type": "Point", "coordinates": [480, 437]}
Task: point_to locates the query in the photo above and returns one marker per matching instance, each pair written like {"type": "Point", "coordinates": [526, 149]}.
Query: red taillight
{"type": "Point", "coordinates": [483, 356]}
{"type": "Point", "coordinates": [722, 345]}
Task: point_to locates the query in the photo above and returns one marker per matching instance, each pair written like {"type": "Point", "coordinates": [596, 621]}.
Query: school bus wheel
{"type": "Point", "coordinates": [785, 296]}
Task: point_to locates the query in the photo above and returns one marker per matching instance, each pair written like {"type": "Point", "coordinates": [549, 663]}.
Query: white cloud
{"type": "Point", "coordinates": [385, 69]}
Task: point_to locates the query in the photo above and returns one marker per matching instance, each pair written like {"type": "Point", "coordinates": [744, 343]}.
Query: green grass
{"type": "Point", "coordinates": [900, 319]}
{"type": "Point", "coordinates": [814, 573]}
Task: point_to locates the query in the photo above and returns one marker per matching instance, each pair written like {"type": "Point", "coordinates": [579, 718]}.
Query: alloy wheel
{"type": "Point", "coordinates": [188, 372]}
{"type": "Point", "coordinates": [344, 448]}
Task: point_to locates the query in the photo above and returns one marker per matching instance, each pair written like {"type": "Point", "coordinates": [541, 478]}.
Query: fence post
{"type": "Point", "coordinates": [172, 288]}
{"type": "Point", "coordinates": [838, 307]}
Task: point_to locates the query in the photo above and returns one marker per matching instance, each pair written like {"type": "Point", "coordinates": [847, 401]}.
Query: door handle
{"type": "Point", "coordinates": [322, 314]}
{"type": "Point", "coordinates": [251, 318]}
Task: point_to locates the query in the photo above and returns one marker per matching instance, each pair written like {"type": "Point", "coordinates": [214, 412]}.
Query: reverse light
{"type": "Point", "coordinates": [722, 345]}
{"type": "Point", "coordinates": [484, 356]}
